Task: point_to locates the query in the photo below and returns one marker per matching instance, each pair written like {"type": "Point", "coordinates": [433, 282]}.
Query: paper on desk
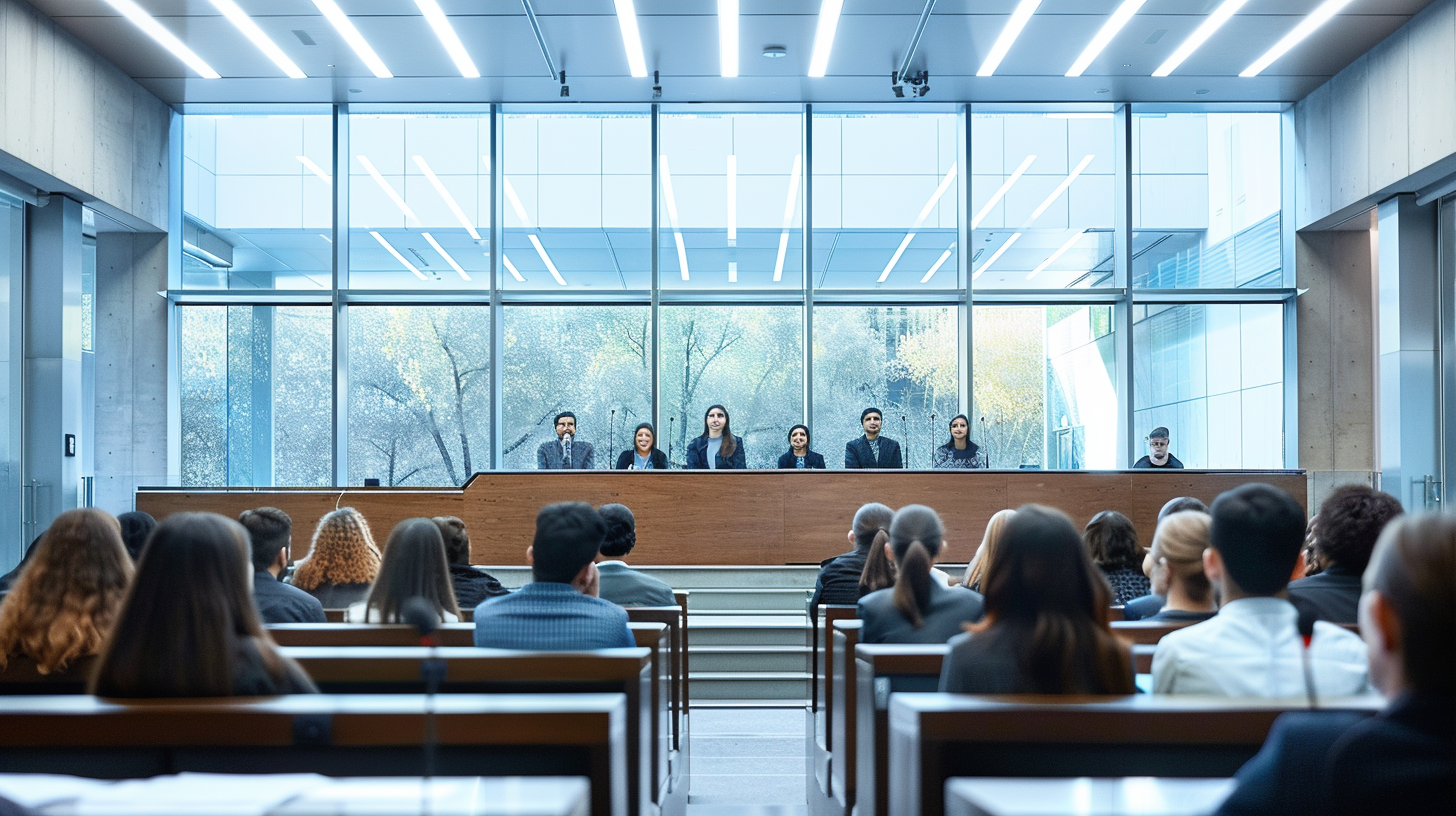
{"type": "Point", "coordinates": [35, 790]}
{"type": "Point", "coordinates": [192, 793]}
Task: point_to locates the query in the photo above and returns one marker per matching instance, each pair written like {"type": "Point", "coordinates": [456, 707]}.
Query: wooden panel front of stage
{"type": "Point", "coordinates": [766, 517]}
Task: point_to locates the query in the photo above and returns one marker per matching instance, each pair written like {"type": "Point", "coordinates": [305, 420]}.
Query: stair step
{"type": "Point", "coordinates": [746, 686]}
{"type": "Point", "coordinates": [782, 599]}
{"type": "Point", "coordinates": [747, 660]}
{"type": "Point", "coordinates": [730, 621]}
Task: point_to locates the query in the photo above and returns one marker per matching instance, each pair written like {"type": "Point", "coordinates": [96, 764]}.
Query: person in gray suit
{"type": "Point", "coordinates": [567, 452]}
{"type": "Point", "coordinates": [618, 582]}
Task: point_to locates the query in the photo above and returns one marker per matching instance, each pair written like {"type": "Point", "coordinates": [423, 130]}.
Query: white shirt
{"type": "Point", "coordinates": [1252, 648]}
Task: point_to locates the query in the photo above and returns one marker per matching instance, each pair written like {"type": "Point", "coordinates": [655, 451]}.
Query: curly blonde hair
{"type": "Point", "coordinates": [342, 552]}
{"type": "Point", "coordinates": [68, 598]}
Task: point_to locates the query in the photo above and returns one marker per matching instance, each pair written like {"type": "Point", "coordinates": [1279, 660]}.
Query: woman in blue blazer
{"type": "Point", "coordinates": [799, 455]}
{"type": "Point", "coordinates": [717, 448]}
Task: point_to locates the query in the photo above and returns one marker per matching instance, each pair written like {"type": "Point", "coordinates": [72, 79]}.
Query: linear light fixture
{"type": "Point", "coordinates": [448, 38]}
{"type": "Point", "coordinates": [1060, 188]}
{"type": "Point", "coordinates": [546, 259]}
{"type": "Point", "coordinates": [793, 196]}
{"type": "Point", "coordinates": [728, 38]}
{"type": "Point", "coordinates": [445, 255]}
{"type": "Point", "coordinates": [516, 203]}
{"type": "Point", "coordinates": [671, 201]}
{"type": "Point", "coordinates": [387, 188]}
{"type": "Point", "coordinates": [388, 247]}
{"type": "Point", "coordinates": [250, 29]}
{"type": "Point", "coordinates": [511, 268]}
{"type": "Point", "coordinates": [315, 169]}
{"type": "Point", "coordinates": [1314, 20]}
{"type": "Point", "coordinates": [1003, 190]}
{"type": "Point", "coordinates": [732, 199]}
{"type": "Point", "coordinates": [920, 219]}
{"type": "Point", "coordinates": [732, 271]}
{"type": "Point", "coordinates": [164, 38]}
{"type": "Point", "coordinates": [1104, 36]}
{"type": "Point", "coordinates": [996, 255]}
{"type": "Point", "coordinates": [1200, 35]}
{"type": "Point", "coordinates": [1060, 251]}
{"type": "Point", "coordinates": [342, 24]}
{"type": "Point", "coordinates": [631, 37]}
{"type": "Point", "coordinates": [1077, 115]}
{"type": "Point", "coordinates": [824, 36]}
{"type": "Point", "coordinates": [944, 256]}
{"type": "Point", "coordinates": [1019, 18]}
{"type": "Point", "coordinates": [445, 194]}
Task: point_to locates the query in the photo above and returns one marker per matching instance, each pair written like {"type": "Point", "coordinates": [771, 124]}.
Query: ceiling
{"type": "Point", "coordinates": [680, 40]}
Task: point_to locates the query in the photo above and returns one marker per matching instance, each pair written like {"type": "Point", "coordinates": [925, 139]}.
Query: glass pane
{"type": "Point", "coordinates": [257, 401]}
{"type": "Point", "coordinates": [1045, 386]}
{"type": "Point", "coordinates": [594, 361]}
{"type": "Point", "coordinates": [902, 360]}
{"type": "Point", "coordinates": [419, 199]}
{"type": "Point", "coordinates": [578, 201]}
{"type": "Point", "coordinates": [1043, 195]}
{"type": "Point", "coordinates": [257, 202]}
{"type": "Point", "coordinates": [419, 394]}
{"type": "Point", "coordinates": [1206, 200]}
{"type": "Point", "coordinates": [747, 358]}
{"type": "Point", "coordinates": [886, 201]}
{"type": "Point", "coordinates": [12, 240]}
{"type": "Point", "coordinates": [1213, 375]}
{"type": "Point", "coordinates": [731, 214]}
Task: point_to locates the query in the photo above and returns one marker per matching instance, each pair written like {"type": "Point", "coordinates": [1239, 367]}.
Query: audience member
{"type": "Point", "coordinates": [879, 571]}
{"type": "Point", "coordinates": [559, 610]}
{"type": "Point", "coordinates": [188, 627]}
{"type": "Point", "coordinates": [1149, 605]}
{"type": "Point", "coordinates": [135, 527]}
{"type": "Point", "coordinates": [1346, 527]}
{"type": "Point", "coordinates": [413, 567]}
{"type": "Point", "coordinates": [1045, 629]}
{"type": "Point", "coordinates": [1252, 647]}
{"type": "Point", "coordinates": [55, 618]}
{"type": "Point", "coordinates": [1404, 758]}
{"type": "Point", "coordinates": [1113, 544]}
{"type": "Point", "coordinates": [986, 554]}
{"type": "Point", "coordinates": [342, 560]}
{"type": "Point", "coordinates": [918, 608]}
{"type": "Point", "coordinates": [839, 580]}
{"type": "Point", "coordinates": [271, 533]}
{"type": "Point", "coordinates": [1181, 504]}
{"type": "Point", "coordinates": [8, 579]}
{"type": "Point", "coordinates": [1176, 570]}
{"type": "Point", "coordinates": [471, 585]}
{"type": "Point", "coordinates": [617, 582]}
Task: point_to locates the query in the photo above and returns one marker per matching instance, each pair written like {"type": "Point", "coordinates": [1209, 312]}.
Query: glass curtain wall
{"type": "Point", "coordinates": [12, 241]}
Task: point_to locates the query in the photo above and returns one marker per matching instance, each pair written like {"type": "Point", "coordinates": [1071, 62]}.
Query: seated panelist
{"type": "Point", "coordinates": [799, 456]}
{"type": "Point", "coordinates": [872, 450]}
{"type": "Point", "coordinates": [717, 448]}
{"type": "Point", "coordinates": [567, 452]}
{"type": "Point", "coordinates": [960, 451]}
{"type": "Point", "coordinates": [644, 454]}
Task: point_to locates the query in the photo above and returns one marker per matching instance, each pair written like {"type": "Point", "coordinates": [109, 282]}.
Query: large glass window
{"type": "Point", "coordinates": [12, 367]}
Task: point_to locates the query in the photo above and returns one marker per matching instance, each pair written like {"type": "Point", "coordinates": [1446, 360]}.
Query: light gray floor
{"type": "Point", "coordinates": [747, 762]}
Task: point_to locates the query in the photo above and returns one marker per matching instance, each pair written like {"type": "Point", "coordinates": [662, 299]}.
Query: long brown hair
{"type": "Point", "coordinates": [414, 567]}
{"type": "Point", "coordinates": [342, 552]}
{"type": "Point", "coordinates": [916, 535]}
{"type": "Point", "coordinates": [67, 598]}
{"type": "Point", "coordinates": [871, 530]}
{"type": "Point", "coordinates": [985, 556]}
{"type": "Point", "coordinates": [729, 444]}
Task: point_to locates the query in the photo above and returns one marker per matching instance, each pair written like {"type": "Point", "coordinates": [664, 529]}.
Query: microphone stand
{"type": "Point", "coordinates": [985, 443]}
{"type": "Point", "coordinates": [421, 614]}
{"type": "Point", "coordinates": [930, 435]}
{"type": "Point", "coordinates": [905, 432]}
{"type": "Point", "coordinates": [670, 426]}
{"type": "Point", "coordinates": [611, 434]}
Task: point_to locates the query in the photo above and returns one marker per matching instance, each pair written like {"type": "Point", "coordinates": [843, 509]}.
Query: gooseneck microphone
{"type": "Point", "coordinates": [566, 450]}
{"type": "Point", "coordinates": [421, 614]}
{"type": "Point", "coordinates": [905, 432]}
{"type": "Point", "coordinates": [670, 426]}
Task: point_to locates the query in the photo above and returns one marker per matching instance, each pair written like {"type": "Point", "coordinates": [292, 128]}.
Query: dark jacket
{"type": "Point", "coordinates": [1147, 462]}
{"type": "Point", "coordinates": [697, 457]}
{"type": "Point", "coordinates": [812, 460]}
{"type": "Point", "coordinates": [989, 662]}
{"type": "Point", "coordinates": [473, 586]}
{"type": "Point", "coordinates": [657, 458]}
{"type": "Point", "coordinates": [838, 581]}
{"type": "Point", "coordinates": [340, 596]}
{"type": "Point", "coordinates": [280, 603]}
{"type": "Point", "coordinates": [1332, 595]}
{"type": "Point", "coordinates": [857, 454]}
{"type": "Point", "coordinates": [949, 608]}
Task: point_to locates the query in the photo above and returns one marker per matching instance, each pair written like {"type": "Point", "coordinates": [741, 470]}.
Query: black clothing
{"type": "Point", "coordinates": [251, 677]}
{"type": "Point", "coordinates": [857, 453]}
{"type": "Point", "coordinates": [1332, 595]}
{"type": "Point", "coordinates": [473, 586]}
{"type": "Point", "coordinates": [1179, 616]}
{"type": "Point", "coordinates": [340, 596]}
{"type": "Point", "coordinates": [838, 581]}
{"type": "Point", "coordinates": [812, 461]}
{"type": "Point", "coordinates": [1128, 584]}
{"type": "Point", "coordinates": [280, 603]}
{"type": "Point", "coordinates": [949, 608]}
{"type": "Point", "coordinates": [1147, 462]}
{"type": "Point", "coordinates": [625, 460]}
{"type": "Point", "coordinates": [989, 663]}
{"type": "Point", "coordinates": [1143, 608]}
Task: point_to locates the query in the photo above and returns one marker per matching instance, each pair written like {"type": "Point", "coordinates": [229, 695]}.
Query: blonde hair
{"type": "Point", "coordinates": [1179, 543]}
{"type": "Point", "coordinates": [342, 552]}
{"type": "Point", "coordinates": [986, 553]}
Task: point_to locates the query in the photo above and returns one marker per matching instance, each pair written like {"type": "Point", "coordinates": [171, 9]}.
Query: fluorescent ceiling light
{"type": "Point", "coordinates": [728, 37]}
{"type": "Point", "coordinates": [944, 256]}
{"type": "Point", "coordinates": [398, 257]}
{"type": "Point", "coordinates": [511, 268]}
{"type": "Point", "coordinates": [516, 204]}
{"type": "Point", "coordinates": [351, 35]}
{"type": "Point", "coordinates": [920, 219]}
{"type": "Point", "coordinates": [387, 188]}
{"type": "Point", "coordinates": [732, 199]}
{"type": "Point", "coordinates": [326, 238]}
{"type": "Point", "coordinates": [671, 201]}
{"type": "Point", "coordinates": [448, 38]}
{"type": "Point", "coordinates": [631, 37]}
{"type": "Point", "coordinates": [546, 259]}
{"type": "Point", "coordinates": [164, 38]}
{"type": "Point", "coordinates": [824, 36]}
{"type": "Point", "coordinates": [445, 194]}
{"type": "Point", "coordinates": [894, 259]}
{"type": "Point", "coordinates": [1200, 35]}
{"type": "Point", "coordinates": [315, 169]}
{"type": "Point", "coordinates": [1104, 36]}
{"type": "Point", "coordinates": [788, 215]}
{"type": "Point", "coordinates": [1060, 188]}
{"type": "Point", "coordinates": [996, 255]}
{"type": "Point", "coordinates": [1060, 251]}
{"type": "Point", "coordinates": [1002, 190]}
{"type": "Point", "coordinates": [732, 271]}
{"type": "Point", "coordinates": [1018, 21]}
{"type": "Point", "coordinates": [682, 254]}
{"type": "Point", "coordinates": [445, 255]}
{"type": "Point", "coordinates": [250, 30]}
{"type": "Point", "coordinates": [1316, 18]}
{"type": "Point", "coordinates": [1078, 115]}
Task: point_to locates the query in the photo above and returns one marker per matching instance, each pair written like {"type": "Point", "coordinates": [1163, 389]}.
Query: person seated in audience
{"type": "Point", "coordinates": [879, 571]}
{"type": "Point", "coordinates": [918, 608]}
{"type": "Point", "coordinates": [271, 533]}
{"type": "Point", "coordinates": [1402, 760]}
{"type": "Point", "coordinates": [617, 582]}
{"type": "Point", "coordinates": [559, 610]}
{"type": "Point", "coordinates": [960, 451]}
{"type": "Point", "coordinates": [1148, 605]}
{"type": "Point", "coordinates": [1346, 527]}
{"type": "Point", "coordinates": [1113, 544]}
{"type": "Point", "coordinates": [188, 627]}
{"type": "Point", "coordinates": [470, 584]}
{"type": "Point", "coordinates": [135, 527]}
{"type": "Point", "coordinates": [8, 579]}
{"type": "Point", "coordinates": [840, 577]}
{"type": "Point", "coordinates": [53, 621]}
{"type": "Point", "coordinates": [1177, 568]}
{"type": "Point", "coordinates": [1045, 629]}
{"type": "Point", "coordinates": [986, 554]}
{"type": "Point", "coordinates": [1252, 647]}
{"type": "Point", "coordinates": [799, 457]}
{"type": "Point", "coordinates": [644, 454]}
{"type": "Point", "coordinates": [718, 448]}
{"type": "Point", "coordinates": [413, 567]}
{"type": "Point", "coordinates": [342, 561]}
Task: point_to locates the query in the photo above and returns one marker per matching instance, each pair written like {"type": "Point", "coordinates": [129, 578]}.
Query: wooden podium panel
{"type": "Point", "coordinates": [750, 517]}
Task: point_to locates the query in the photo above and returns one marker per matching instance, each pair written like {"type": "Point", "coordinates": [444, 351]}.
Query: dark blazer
{"type": "Point", "coordinates": [857, 454]}
{"type": "Point", "coordinates": [473, 586]}
{"type": "Point", "coordinates": [813, 460]}
{"type": "Point", "coordinates": [548, 456]}
{"type": "Point", "coordinates": [280, 603]}
{"type": "Point", "coordinates": [989, 662]}
{"type": "Point", "coordinates": [340, 596]}
{"type": "Point", "coordinates": [697, 456]}
{"type": "Point", "coordinates": [1332, 595]}
{"type": "Point", "coordinates": [657, 459]}
{"type": "Point", "coordinates": [838, 581]}
{"type": "Point", "coordinates": [949, 608]}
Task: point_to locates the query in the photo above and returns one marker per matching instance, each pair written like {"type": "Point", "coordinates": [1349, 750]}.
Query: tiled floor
{"type": "Point", "coordinates": [747, 762]}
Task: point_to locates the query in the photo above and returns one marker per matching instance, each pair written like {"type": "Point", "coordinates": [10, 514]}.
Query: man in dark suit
{"type": "Point", "coordinates": [271, 531]}
{"type": "Point", "coordinates": [567, 452]}
{"type": "Point", "coordinates": [872, 450]}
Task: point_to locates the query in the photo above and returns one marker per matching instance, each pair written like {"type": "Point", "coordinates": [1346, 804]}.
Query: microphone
{"type": "Point", "coordinates": [905, 432]}
{"type": "Point", "coordinates": [612, 432]}
{"type": "Point", "coordinates": [421, 614]}
{"type": "Point", "coordinates": [566, 449]}
{"type": "Point", "coordinates": [670, 421]}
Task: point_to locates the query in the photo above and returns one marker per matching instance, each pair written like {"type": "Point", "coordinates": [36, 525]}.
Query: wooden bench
{"type": "Point", "coordinates": [880, 669]}
{"type": "Point", "coordinates": [335, 735]}
{"type": "Point", "coordinates": [819, 729]}
{"type": "Point", "coordinates": [1145, 632]}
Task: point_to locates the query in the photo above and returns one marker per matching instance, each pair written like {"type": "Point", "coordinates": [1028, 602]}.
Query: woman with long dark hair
{"type": "Point", "coordinates": [413, 567]}
{"type": "Point", "coordinates": [1112, 542]}
{"type": "Point", "coordinates": [644, 454]}
{"type": "Point", "coordinates": [717, 448]}
{"type": "Point", "coordinates": [841, 579]}
{"type": "Point", "coordinates": [799, 457]}
{"type": "Point", "coordinates": [918, 608]}
{"type": "Point", "coordinates": [959, 451]}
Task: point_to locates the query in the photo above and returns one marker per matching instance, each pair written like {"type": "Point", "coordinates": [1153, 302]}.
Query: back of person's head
{"type": "Point", "coordinates": [413, 567]}
{"type": "Point", "coordinates": [457, 541]}
{"type": "Point", "coordinates": [568, 537]}
{"type": "Point", "coordinates": [879, 571]}
{"type": "Point", "coordinates": [1181, 504]}
{"type": "Point", "coordinates": [270, 531]}
{"type": "Point", "coordinates": [1047, 592]}
{"type": "Point", "coordinates": [916, 536]}
{"type": "Point", "coordinates": [1112, 541]}
{"type": "Point", "coordinates": [1349, 522]}
{"type": "Point", "coordinates": [67, 598]}
{"type": "Point", "coordinates": [1257, 530]}
{"type": "Point", "coordinates": [1178, 545]}
{"type": "Point", "coordinates": [871, 526]}
{"type": "Point", "coordinates": [135, 527]}
{"type": "Point", "coordinates": [621, 533]}
{"type": "Point", "coordinates": [985, 556]}
{"type": "Point", "coordinates": [342, 552]}
{"type": "Point", "coordinates": [1413, 569]}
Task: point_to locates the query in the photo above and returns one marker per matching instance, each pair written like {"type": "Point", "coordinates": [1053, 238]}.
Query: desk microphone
{"type": "Point", "coordinates": [670, 421]}
{"type": "Point", "coordinates": [421, 614]}
{"type": "Point", "coordinates": [612, 434]}
{"type": "Point", "coordinates": [905, 432]}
